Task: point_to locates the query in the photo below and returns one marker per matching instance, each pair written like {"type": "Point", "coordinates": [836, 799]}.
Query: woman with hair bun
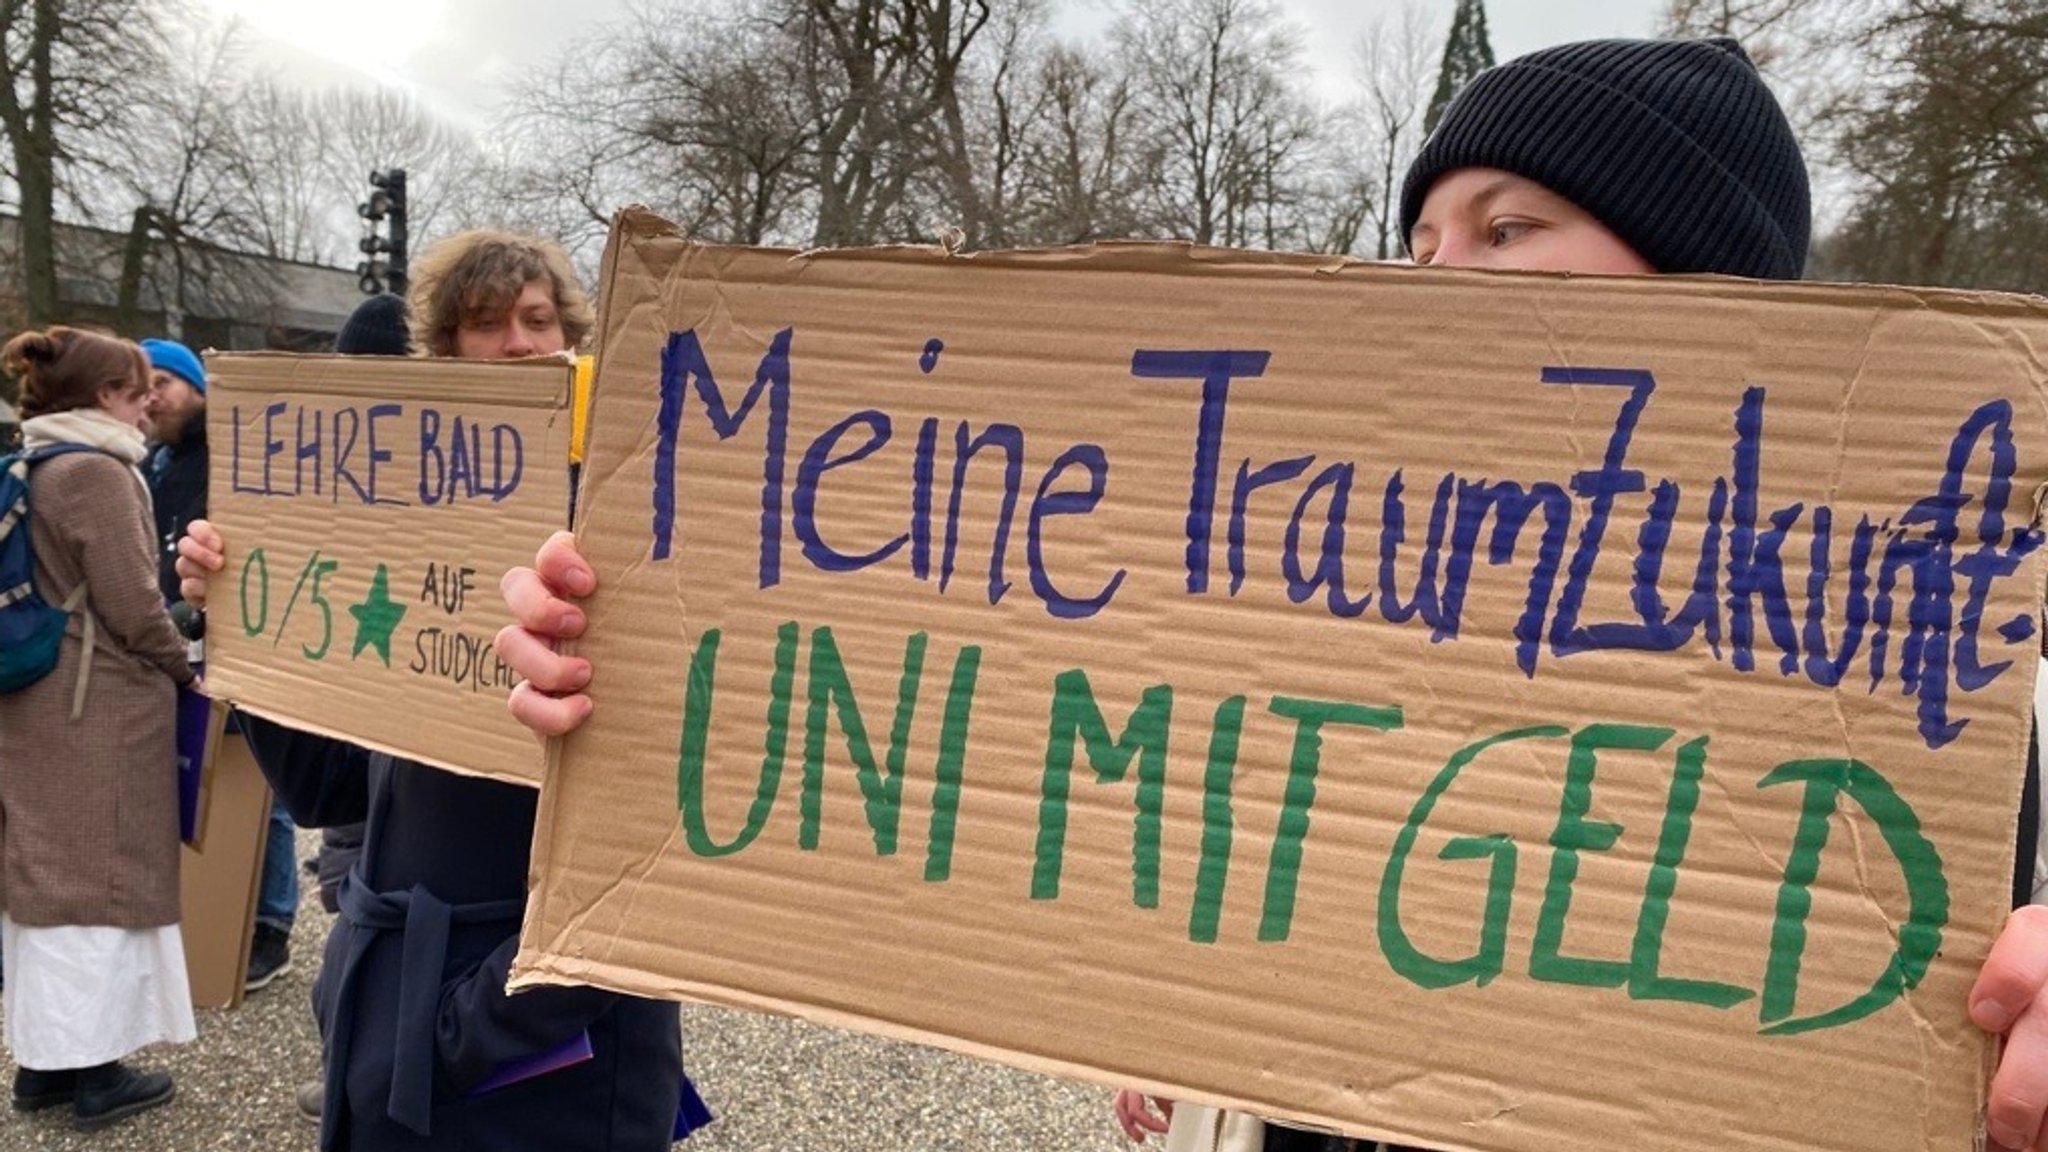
{"type": "Point", "coordinates": [88, 796]}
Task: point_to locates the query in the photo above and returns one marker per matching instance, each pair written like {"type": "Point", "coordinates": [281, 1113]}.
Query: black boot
{"type": "Point", "coordinates": [114, 1091]}
{"type": "Point", "coordinates": [35, 1091]}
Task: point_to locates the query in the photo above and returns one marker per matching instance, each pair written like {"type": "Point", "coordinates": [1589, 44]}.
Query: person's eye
{"type": "Point", "coordinates": [1504, 232]}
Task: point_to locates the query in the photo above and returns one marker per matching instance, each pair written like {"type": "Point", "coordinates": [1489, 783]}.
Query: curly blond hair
{"type": "Point", "coordinates": [479, 273]}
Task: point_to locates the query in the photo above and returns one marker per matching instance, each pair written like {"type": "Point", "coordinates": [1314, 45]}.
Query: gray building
{"type": "Point", "coordinates": [206, 296]}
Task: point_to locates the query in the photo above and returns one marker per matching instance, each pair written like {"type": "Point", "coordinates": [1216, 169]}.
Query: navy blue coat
{"type": "Point", "coordinates": [446, 853]}
{"type": "Point", "coordinates": [177, 485]}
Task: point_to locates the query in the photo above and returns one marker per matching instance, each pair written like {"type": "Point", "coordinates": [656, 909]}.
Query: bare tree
{"type": "Point", "coordinates": [72, 67]}
{"type": "Point", "coordinates": [1221, 121]}
{"type": "Point", "coordinates": [570, 147]}
{"type": "Point", "coordinates": [702, 119]}
{"type": "Point", "coordinates": [1391, 67]}
{"type": "Point", "coordinates": [1079, 172]}
{"type": "Point", "coordinates": [289, 202]}
{"type": "Point", "coordinates": [987, 120]}
{"type": "Point", "coordinates": [1223, 125]}
{"type": "Point", "coordinates": [1947, 143]}
{"type": "Point", "coordinates": [864, 121]}
{"type": "Point", "coordinates": [820, 121]}
{"type": "Point", "coordinates": [1769, 30]}
{"type": "Point", "coordinates": [723, 123]}
{"type": "Point", "coordinates": [177, 167]}
{"type": "Point", "coordinates": [874, 72]}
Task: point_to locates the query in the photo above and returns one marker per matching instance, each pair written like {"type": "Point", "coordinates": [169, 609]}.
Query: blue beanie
{"type": "Point", "coordinates": [173, 357]}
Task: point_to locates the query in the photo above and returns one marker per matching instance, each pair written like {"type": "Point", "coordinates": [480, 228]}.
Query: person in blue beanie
{"type": "Point", "coordinates": [177, 469]}
{"type": "Point", "coordinates": [177, 484]}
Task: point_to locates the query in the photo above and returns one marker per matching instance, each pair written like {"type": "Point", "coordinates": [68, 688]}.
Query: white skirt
{"type": "Point", "coordinates": [79, 996]}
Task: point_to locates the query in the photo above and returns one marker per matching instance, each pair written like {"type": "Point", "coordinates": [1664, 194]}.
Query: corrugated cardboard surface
{"type": "Point", "coordinates": [1678, 926]}
{"type": "Point", "coordinates": [220, 881]}
{"type": "Point", "coordinates": [438, 474]}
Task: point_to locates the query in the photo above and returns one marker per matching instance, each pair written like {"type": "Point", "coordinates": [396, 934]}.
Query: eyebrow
{"type": "Point", "coordinates": [1482, 199]}
{"type": "Point", "coordinates": [1497, 188]}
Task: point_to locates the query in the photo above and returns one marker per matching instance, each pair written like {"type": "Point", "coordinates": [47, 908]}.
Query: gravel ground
{"type": "Point", "coordinates": [775, 1084]}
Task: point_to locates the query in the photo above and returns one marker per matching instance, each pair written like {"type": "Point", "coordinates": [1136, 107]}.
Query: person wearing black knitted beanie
{"type": "Point", "coordinates": [375, 328]}
{"type": "Point", "coordinates": [1607, 157]}
{"type": "Point", "coordinates": [1676, 147]}
{"type": "Point", "coordinates": [1672, 157]}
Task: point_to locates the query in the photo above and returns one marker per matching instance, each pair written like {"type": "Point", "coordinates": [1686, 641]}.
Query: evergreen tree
{"type": "Point", "coordinates": [1467, 53]}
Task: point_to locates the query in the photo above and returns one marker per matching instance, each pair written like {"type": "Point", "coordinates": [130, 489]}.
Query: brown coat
{"type": "Point", "coordinates": [89, 809]}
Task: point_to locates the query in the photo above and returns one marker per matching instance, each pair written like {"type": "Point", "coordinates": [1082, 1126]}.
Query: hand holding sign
{"type": "Point", "coordinates": [550, 700]}
{"type": "Point", "coordinates": [2011, 996]}
{"type": "Point", "coordinates": [201, 553]}
{"type": "Point", "coordinates": [1139, 1115]}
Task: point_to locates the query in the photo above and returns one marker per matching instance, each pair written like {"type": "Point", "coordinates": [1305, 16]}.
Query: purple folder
{"type": "Point", "coordinates": [195, 716]}
{"type": "Point", "coordinates": [576, 1051]}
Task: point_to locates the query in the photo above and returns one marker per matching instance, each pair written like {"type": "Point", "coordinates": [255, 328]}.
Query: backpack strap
{"type": "Point", "coordinates": [42, 452]}
{"type": "Point", "coordinates": [76, 601]}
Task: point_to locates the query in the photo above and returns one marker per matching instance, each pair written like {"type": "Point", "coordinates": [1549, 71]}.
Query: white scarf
{"type": "Point", "coordinates": [92, 427]}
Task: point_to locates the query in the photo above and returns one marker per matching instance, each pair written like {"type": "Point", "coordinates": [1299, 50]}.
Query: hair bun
{"type": "Point", "coordinates": [27, 352]}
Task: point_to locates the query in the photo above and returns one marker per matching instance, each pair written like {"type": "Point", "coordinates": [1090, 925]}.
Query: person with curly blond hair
{"type": "Point", "coordinates": [424, 1049]}
{"type": "Point", "coordinates": [490, 295]}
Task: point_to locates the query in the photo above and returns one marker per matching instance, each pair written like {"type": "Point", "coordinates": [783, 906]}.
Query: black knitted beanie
{"type": "Point", "coordinates": [1675, 145]}
{"type": "Point", "coordinates": [375, 328]}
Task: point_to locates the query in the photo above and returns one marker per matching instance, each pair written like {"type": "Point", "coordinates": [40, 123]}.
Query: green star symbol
{"type": "Point", "coordinates": [376, 616]}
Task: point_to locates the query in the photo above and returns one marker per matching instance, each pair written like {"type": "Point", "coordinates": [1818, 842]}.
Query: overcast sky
{"type": "Point", "coordinates": [452, 54]}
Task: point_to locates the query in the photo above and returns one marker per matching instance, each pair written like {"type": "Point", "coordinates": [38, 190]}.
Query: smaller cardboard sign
{"type": "Point", "coordinates": [370, 506]}
{"type": "Point", "coordinates": [219, 880]}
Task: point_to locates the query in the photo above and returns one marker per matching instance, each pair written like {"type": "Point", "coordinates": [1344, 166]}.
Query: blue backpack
{"type": "Point", "coordinates": [31, 628]}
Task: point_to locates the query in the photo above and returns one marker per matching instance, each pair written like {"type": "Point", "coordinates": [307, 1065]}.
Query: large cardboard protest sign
{"type": "Point", "coordinates": [1494, 712]}
{"type": "Point", "coordinates": [370, 506]}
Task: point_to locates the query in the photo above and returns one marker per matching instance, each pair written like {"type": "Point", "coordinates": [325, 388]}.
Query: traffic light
{"type": "Point", "coordinates": [386, 202]}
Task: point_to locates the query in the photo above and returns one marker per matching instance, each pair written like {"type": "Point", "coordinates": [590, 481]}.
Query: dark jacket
{"type": "Point", "coordinates": [177, 483]}
{"type": "Point", "coordinates": [446, 853]}
{"type": "Point", "coordinates": [341, 845]}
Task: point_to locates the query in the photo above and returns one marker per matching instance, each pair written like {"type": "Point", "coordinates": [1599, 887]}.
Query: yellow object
{"type": "Point", "coordinates": [579, 418]}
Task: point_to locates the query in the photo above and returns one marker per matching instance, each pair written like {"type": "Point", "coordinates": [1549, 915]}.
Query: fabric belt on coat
{"type": "Point", "coordinates": [425, 921]}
